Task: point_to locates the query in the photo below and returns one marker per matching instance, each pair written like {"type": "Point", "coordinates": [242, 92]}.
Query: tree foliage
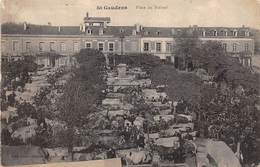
{"type": "Point", "coordinates": [146, 61]}
{"type": "Point", "coordinates": [26, 109]}
{"type": "Point", "coordinates": [230, 109]}
{"type": "Point", "coordinates": [13, 69]}
{"type": "Point", "coordinates": [179, 85]}
{"type": "Point", "coordinates": [82, 93]}
{"type": "Point", "coordinates": [211, 56]}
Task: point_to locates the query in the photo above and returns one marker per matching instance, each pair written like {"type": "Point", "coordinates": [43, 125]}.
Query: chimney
{"type": "Point", "coordinates": [173, 31]}
{"type": "Point", "coordinates": [105, 24]}
{"type": "Point", "coordinates": [87, 15]}
{"type": "Point", "coordinates": [195, 27]}
{"type": "Point", "coordinates": [247, 33]}
{"type": "Point", "coordinates": [138, 27]}
{"type": "Point", "coordinates": [83, 28]}
{"type": "Point", "coordinates": [24, 26]}
{"type": "Point", "coordinates": [80, 27]}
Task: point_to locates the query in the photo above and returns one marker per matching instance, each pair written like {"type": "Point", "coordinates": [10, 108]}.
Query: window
{"type": "Point", "coordinates": [215, 33]}
{"type": "Point", "coordinates": [158, 47]}
{"type": "Point", "coordinates": [75, 46]}
{"type": "Point", "coordinates": [88, 45]}
{"type": "Point", "coordinates": [62, 47]}
{"type": "Point", "coordinates": [146, 46]}
{"type": "Point", "coordinates": [225, 33]}
{"type": "Point", "coordinates": [203, 33]}
{"type": "Point", "coordinates": [52, 46]}
{"type": "Point", "coordinates": [111, 47]}
{"type": "Point", "coordinates": [235, 33]}
{"type": "Point", "coordinates": [41, 46]}
{"type": "Point", "coordinates": [3, 46]}
{"type": "Point", "coordinates": [146, 33]}
{"type": "Point", "coordinates": [15, 45]}
{"type": "Point", "coordinates": [27, 46]}
{"type": "Point", "coordinates": [246, 46]}
{"type": "Point", "coordinates": [234, 47]}
{"type": "Point", "coordinates": [168, 47]}
{"type": "Point", "coordinates": [89, 31]}
{"type": "Point", "coordinates": [158, 32]}
{"type": "Point", "coordinates": [100, 46]}
{"type": "Point", "coordinates": [4, 59]}
{"type": "Point", "coordinates": [224, 45]}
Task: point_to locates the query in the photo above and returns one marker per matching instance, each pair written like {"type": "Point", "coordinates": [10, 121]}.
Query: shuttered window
{"type": "Point", "coordinates": [62, 47]}
{"type": "Point", "coordinates": [158, 47]}
{"type": "Point", "coordinates": [146, 46]}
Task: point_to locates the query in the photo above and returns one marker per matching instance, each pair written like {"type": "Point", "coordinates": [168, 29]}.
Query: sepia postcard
{"type": "Point", "coordinates": [130, 83]}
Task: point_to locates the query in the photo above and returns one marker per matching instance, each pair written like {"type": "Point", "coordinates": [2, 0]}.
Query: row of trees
{"type": "Point", "coordinates": [82, 94]}
{"type": "Point", "coordinates": [231, 104]}
{"type": "Point", "coordinates": [211, 56]}
{"type": "Point", "coordinates": [12, 69]}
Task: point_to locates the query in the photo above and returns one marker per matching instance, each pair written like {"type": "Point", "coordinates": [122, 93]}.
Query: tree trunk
{"type": "Point", "coordinates": [148, 133]}
{"type": "Point", "coordinates": [70, 142]}
{"type": "Point", "coordinates": [70, 153]}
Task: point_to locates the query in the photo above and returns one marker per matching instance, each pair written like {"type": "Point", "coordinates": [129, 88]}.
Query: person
{"type": "Point", "coordinates": [140, 141]}
{"type": "Point", "coordinates": [156, 159]}
{"type": "Point", "coordinates": [189, 136]}
{"type": "Point", "coordinates": [153, 99]}
{"type": "Point", "coordinates": [11, 99]}
{"type": "Point", "coordinates": [100, 146]}
{"type": "Point", "coordinates": [111, 153]}
{"type": "Point", "coordinates": [3, 95]}
{"type": "Point", "coordinates": [128, 130]}
{"type": "Point", "coordinates": [162, 123]}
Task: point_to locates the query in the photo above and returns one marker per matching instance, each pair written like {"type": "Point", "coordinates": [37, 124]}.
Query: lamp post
{"type": "Point", "coordinates": [122, 36]}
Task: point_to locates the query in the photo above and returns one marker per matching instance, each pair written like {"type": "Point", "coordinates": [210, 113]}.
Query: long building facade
{"type": "Point", "coordinates": [45, 42]}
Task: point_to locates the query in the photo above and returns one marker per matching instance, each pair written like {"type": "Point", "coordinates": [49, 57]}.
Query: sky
{"type": "Point", "coordinates": [175, 13]}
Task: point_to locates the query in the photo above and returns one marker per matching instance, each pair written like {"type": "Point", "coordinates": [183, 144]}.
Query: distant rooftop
{"type": "Point", "coordinates": [32, 29]}
{"type": "Point", "coordinates": [97, 19]}
{"type": "Point", "coordinates": [88, 19]}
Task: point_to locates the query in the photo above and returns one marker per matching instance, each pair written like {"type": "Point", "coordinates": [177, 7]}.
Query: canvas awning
{"type": "Point", "coordinates": [167, 142]}
{"type": "Point", "coordinates": [222, 154]}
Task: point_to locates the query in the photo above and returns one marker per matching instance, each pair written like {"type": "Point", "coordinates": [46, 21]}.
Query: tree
{"type": "Point", "coordinates": [233, 112]}
{"type": "Point", "coordinates": [43, 104]}
{"type": "Point", "coordinates": [82, 94]}
{"type": "Point", "coordinates": [179, 85]}
{"type": "Point", "coordinates": [187, 48]}
{"type": "Point", "coordinates": [26, 109]}
{"type": "Point", "coordinates": [224, 67]}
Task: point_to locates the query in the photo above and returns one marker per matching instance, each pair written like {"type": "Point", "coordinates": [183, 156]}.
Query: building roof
{"type": "Point", "coordinates": [97, 19]}
{"type": "Point", "coordinates": [13, 28]}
